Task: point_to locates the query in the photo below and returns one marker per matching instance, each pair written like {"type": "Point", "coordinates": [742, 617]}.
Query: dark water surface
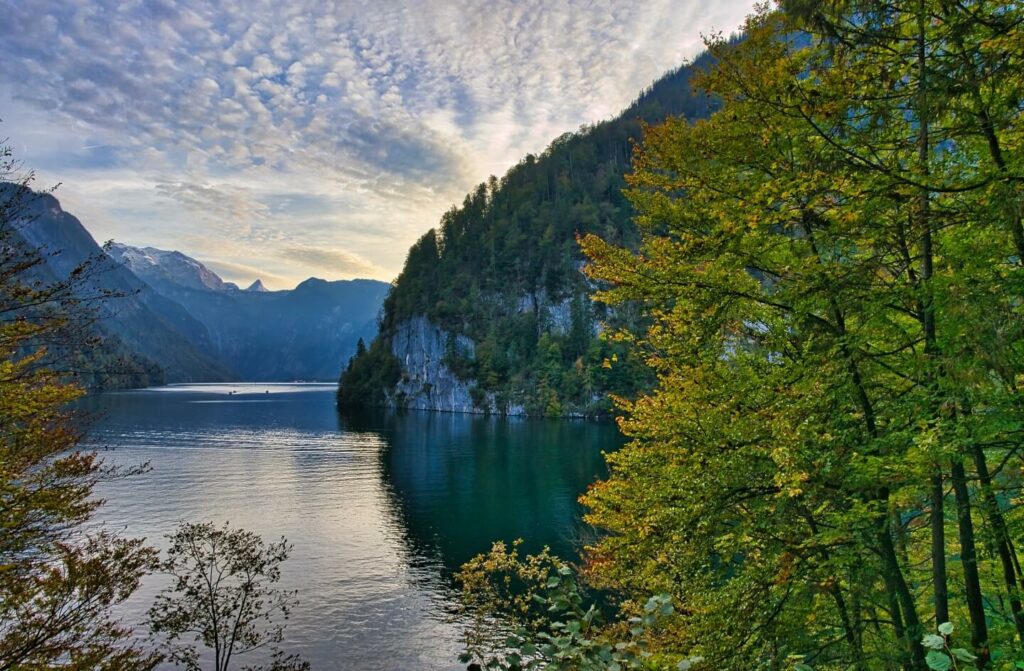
{"type": "Point", "coordinates": [381, 508]}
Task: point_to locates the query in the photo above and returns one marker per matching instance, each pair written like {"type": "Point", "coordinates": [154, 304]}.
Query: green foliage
{"type": "Point", "coordinates": [223, 596]}
{"type": "Point", "coordinates": [547, 622]}
{"type": "Point", "coordinates": [368, 375]}
{"type": "Point", "coordinates": [832, 270]}
{"type": "Point", "coordinates": [942, 657]}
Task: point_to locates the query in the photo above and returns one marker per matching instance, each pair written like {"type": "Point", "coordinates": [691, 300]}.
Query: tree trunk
{"type": "Point", "coordinates": [938, 528]}
{"type": "Point", "coordinates": [901, 598]}
{"type": "Point", "coordinates": [1004, 546]}
{"type": "Point", "coordinates": [969, 558]}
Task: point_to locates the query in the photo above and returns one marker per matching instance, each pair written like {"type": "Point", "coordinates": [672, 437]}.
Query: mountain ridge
{"type": "Point", "coordinates": [303, 333]}
{"type": "Point", "coordinates": [175, 320]}
{"type": "Point", "coordinates": [150, 263]}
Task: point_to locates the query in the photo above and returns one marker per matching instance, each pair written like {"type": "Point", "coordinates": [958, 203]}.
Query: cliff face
{"type": "Point", "coordinates": [427, 382]}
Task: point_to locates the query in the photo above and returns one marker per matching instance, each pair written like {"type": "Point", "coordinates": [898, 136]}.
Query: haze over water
{"type": "Point", "coordinates": [380, 508]}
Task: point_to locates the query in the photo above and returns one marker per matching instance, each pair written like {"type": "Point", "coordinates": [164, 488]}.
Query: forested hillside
{"type": "Point", "coordinates": [491, 312]}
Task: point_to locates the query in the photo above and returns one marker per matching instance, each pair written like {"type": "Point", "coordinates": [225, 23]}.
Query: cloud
{"type": "Point", "coordinates": [222, 203]}
{"type": "Point", "coordinates": [334, 261]}
{"type": "Point", "coordinates": [243, 275]}
{"type": "Point", "coordinates": [387, 110]}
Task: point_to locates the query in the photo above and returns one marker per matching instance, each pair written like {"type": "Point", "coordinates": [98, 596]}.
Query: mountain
{"type": "Point", "coordinates": [306, 333]}
{"type": "Point", "coordinates": [156, 265]}
{"type": "Point", "coordinates": [137, 321]}
{"type": "Point", "coordinates": [491, 311]}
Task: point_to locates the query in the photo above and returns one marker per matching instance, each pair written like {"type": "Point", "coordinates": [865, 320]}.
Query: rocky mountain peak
{"type": "Point", "coordinates": [158, 265]}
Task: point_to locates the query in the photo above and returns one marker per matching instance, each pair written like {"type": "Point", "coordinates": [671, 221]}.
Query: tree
{"type": "Point", "coordinates": [831, 268]}
{"type": "Point", "coordinates": [58, 578]}
{"type": "Point", "coordinates": [223, 595]}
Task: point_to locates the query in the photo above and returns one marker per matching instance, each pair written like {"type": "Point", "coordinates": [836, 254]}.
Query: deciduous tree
{"type": "Point", "coordinates": [223, 596]}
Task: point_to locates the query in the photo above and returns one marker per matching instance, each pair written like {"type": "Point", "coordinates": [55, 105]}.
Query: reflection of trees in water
{"type": "Point", "coordinates": [423, 558]}
{"type": "Point", "coordinates": [456, 483]}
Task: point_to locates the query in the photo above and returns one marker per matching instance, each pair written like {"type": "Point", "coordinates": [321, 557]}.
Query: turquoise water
{"type": "Point", "coordinates": [381, 508]}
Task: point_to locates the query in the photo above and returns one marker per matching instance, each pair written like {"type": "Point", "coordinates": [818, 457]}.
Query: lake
{"type": "Point", "coordinates": [381, 508]}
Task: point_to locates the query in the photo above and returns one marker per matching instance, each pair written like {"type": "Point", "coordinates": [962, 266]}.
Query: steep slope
{"type": "Point", "coordinates": [490, 313]}
{"type": "Point", "coordinates": [306, 333]}
{"type": "Point", "coordinates": [148, 324]}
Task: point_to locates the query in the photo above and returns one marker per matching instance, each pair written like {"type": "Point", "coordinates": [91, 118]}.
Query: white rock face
{"type": "Point", "coordinates": [560, 316]}
{"type": "Point", "coordinates": [555, 317]}
{"type": "Point", "coordinates": [152, 264]}
{"type": "Point", "coordinates": [427, 383]}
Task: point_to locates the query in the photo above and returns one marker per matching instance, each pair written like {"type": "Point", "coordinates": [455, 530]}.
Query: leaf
{"type": "Point", "coordinates": [933, 642]}
{"type": "Point", "coordinates": [966, 655]}
{"type": "Point", "coordinates": [946, 628]}
{"type": "Point", "coordinates": [938, 661]}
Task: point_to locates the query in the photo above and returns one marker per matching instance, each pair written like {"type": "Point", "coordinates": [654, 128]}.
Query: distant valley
{"type": "Point", "coordinates": [306, 333]}
{"type": "Point", "coordinates": [176, 320]}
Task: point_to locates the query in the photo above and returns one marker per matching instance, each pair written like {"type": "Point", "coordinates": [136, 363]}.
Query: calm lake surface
{"type": "Point", "coordinates": [381, 508]}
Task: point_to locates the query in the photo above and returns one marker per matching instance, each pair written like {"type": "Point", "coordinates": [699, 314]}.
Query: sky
{"type": "Point", "coordinates": [292, 138]}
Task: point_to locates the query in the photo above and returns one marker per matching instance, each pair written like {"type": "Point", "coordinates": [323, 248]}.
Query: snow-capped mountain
{"type": "Point", "coordinates": [257, 286]}
{"type": "Point", "coordinates": [155, 266]}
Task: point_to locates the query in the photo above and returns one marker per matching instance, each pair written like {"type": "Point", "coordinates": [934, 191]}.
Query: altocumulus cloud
{"type": "Point", "coordinates": [194, 125]}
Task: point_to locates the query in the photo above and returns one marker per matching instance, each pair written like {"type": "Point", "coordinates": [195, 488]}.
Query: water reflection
{"type": "Point", "coordinates": [460, 482]}
{"type": "Point", "coordinates": [381, 508]}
